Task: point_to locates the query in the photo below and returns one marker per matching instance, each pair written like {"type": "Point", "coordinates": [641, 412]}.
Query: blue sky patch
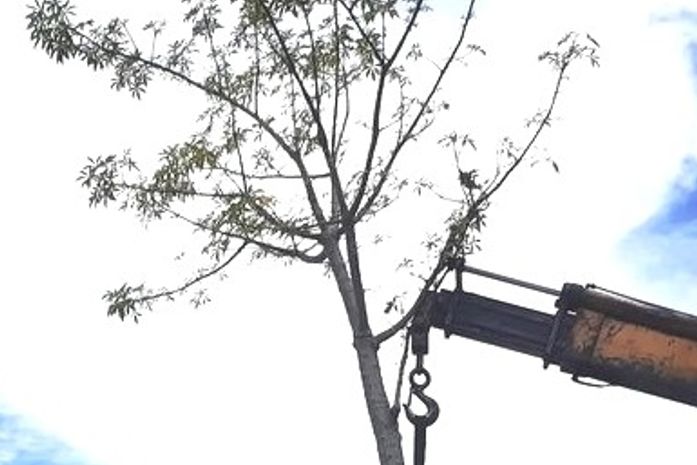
{"type": "Point", "coordinates": [692, 54]}
{"type": "Point", "coordinates": [666, 244]}
{"type": "Point", "coordinates": [22, 444]}
{"type": "Point", "coordinates": [679, 212]}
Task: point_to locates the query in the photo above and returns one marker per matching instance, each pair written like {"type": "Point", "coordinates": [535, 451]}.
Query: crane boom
{"type": "Point", "coordinates": [594, 333]}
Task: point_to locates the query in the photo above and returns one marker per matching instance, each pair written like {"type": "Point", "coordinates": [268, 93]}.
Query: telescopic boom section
{"type": "Point", "coordinates": [595, 334]}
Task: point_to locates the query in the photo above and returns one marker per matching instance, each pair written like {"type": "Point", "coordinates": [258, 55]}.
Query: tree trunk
{"type": "Point", "coordinates": [385, 427]}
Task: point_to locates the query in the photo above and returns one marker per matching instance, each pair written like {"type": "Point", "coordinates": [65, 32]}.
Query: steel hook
{"type": "Point", "coordinates": [432, 410]}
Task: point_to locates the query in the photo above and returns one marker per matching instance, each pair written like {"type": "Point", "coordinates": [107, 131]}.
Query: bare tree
{"type": "Point", "coordinates": [287, 162]}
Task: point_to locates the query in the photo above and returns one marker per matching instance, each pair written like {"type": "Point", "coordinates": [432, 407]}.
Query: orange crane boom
{"type": "Point", "coordinates": [595, 333]}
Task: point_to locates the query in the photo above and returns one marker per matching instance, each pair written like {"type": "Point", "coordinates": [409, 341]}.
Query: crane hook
{"type": "Point", "coordinates": [432, 411]}
{"type": "Point", "coordinates": [417, 389]}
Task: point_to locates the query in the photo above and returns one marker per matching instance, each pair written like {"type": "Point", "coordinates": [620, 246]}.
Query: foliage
{"type": "Point", "coordinates": [279, 81]}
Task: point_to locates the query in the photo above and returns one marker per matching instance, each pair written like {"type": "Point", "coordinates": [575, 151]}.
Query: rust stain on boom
{"type": "Point", "coordinates": [609, 341]}
{"type": "Point", "coordinates": [594, 334]}
{"type": "Point", "coordinates": [629, 343]}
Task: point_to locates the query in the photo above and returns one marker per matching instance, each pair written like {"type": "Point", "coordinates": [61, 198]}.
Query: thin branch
{"type": "Point", "coordinates": [409, 134]}
{"type": "Point", "coordinates": [401, 109]}
{"type": "Point", "coordinates": [287, 57]}
{"type": "Point", "coordinates": [283, 226]}
{"type": "Point", "coordinates": [276, 222]}
{"type": "Point", "coordinates": [297, 159]}
{"type": "Point", "coordinates": [214, 53]}
{"type": "Point", "coordinates": [430, 281]}
{"type": "Point", "coordinates": [124, 24]}
{"type": "Point", "coordinates": [275, 249]}
{"type": "Point", "coordinates": [400, 374]}
{"type": "Point", "coordinates": [437, 194]}
{"type": "Point", "coordinates": [196, 280]}
{"type": "Point", "coordinates": [377, 109]}
{"type": "Point", "coordinates": [278, 176]}
{"type": "Point", "coordinates": [472, 212]}
{"type": "Point", "coordinates": [321, 133]}
{"type": "Point", "coordinates": [347, 111]}
{"type": "Point", "coordinates": [379, 56]}
{"type": "Point", "coordinates": [544, 122]}
{"type": "Point", "coordinates": [178, 192]}
{"type": "Point", "coordinates": [313, 59]}
{"type": "Point", "coordinates": [336, 210]}
{"type": "Point", "coordinates": [405, 34]}
{"type": "Point", "coordinates": [238, 149]}
{"type": "Point", "coordinates": [257, 68]}
{"type": "Point", "coordinates": [383, 32]}
{"type": "Point", "coordinates": [337, 52]}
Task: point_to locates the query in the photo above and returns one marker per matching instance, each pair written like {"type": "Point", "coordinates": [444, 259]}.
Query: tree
{"type": "Point", "coordinates": [287, 162]}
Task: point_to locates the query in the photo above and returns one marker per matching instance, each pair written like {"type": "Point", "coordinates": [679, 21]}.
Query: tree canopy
{"type": "Point", "coordinates": [281, 80]}
{"type": "Point", "coordinates": [310, 105]}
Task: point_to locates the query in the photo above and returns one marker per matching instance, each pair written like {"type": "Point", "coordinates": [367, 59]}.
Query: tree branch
{"type": "Point", "coordinates": [544, 122]}
{"type": "Point", "coordinates": [363, 327]}
{"type": "Point", "coordinates": [179, 192]}
{"type": "Point", "coordinates": [277, 176]}
{"type": "Point", "coordinates": [297, 159]}
{"type": "Point", "coordinates": [238, 149]}
{"type": "Point", "coordinates": [287, 57]}
{"type": "Point", "coordinates": [410, 131]}
{"type": "Point", "coordinates": [376, 53]}
{"type": "Point", "coordinates": [265, 246]}
{"type": "Point", "coordinates": [395, 328]}
{"type": "Point", "coordinates": [315, 111]}
{"type": "Point", "coordinates": [313, 59]}
{"type": "Point", "coordinates": [283, 226]}
{"type": "Point", "coordinates": [377, 109]}
{"type": "Point", "coordinates": [337, 52]}
{"type": "Point", "coordinates": [400, 375]}
{"type": "Point", "coordinates": [456, 234]}
{"type": "Point", "coordinates": [170, 292]}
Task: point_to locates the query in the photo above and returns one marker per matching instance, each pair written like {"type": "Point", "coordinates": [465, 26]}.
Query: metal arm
{"type": "Point", "coordinates": [595, 333]}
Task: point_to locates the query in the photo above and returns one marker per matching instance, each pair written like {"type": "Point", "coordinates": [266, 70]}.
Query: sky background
{"type": "Point", "coordinates": [264, 374]}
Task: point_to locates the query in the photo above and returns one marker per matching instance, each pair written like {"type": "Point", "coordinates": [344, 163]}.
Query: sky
{"type": "Point", "coordinates": [21, 442]}
{"type": "Point", "coordinates": [263, 373]}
